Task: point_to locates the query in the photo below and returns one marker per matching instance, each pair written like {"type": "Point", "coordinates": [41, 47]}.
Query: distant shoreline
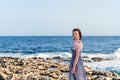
{"type": "Point", "coordinates": [57, 36]}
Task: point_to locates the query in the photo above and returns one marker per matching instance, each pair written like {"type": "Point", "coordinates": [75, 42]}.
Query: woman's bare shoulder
{"type": "Point", "coordinates": [78, 43]}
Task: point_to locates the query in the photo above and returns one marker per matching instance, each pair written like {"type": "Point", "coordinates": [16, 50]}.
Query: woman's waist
{"type": "Point", "coordinates": [73, 55]}
{"type": "Point", "coordinates": [73, 58]}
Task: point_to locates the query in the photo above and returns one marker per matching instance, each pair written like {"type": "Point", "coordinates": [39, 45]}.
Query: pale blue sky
{"type": "Point", "coordinates": [59, 17]}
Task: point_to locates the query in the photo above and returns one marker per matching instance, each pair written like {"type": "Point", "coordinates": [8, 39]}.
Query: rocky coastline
{"type": "Point", "coordinates": [54, 68]}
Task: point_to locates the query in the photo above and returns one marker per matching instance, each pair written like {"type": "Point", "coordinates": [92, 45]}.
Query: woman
{"type": "Point", "coordinates": [76, 69]}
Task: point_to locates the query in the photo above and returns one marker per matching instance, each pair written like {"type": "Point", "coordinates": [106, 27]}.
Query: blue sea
{"type": "Point", "coordinates": [49, 46]}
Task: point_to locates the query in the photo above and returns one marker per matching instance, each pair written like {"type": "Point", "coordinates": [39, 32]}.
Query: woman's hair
{"type": "Point", "coordinates": [79, 32]}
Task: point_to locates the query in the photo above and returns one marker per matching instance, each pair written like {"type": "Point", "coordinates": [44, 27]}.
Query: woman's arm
{"type": "Point", "coordinates": [76, 59]}
{"type": "Point", "coordinates": [77, 49]}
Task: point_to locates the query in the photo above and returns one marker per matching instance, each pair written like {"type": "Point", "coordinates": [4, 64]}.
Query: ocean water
{"type": "Point", "coordinates": [47, 46]}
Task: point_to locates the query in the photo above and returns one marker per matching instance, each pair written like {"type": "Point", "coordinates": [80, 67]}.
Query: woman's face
{"type": "Point", "coordinates": [75, 35]}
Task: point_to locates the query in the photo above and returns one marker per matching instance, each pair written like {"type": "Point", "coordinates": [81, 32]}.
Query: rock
{"type": "Point", "coordinates": [49, 59]}
{"type": "Point", "coordinates": [34, 57]}
{"type": "Point", "coordinates": [52, 64]}
{"type": "Point", "coordinates": [87, 69]}
{"type": "Point", "coordinates": [1, 77]}
{"type": "Point", "coordinates": [64, 68]}
{"type": "Point", "coordinates": [98, 73]}
{"type": "Point", "coordinates": [45, 72]}
{"type": "Point", "coordinates": [68, 59]}
{"type": "Point", "coordinates": [19, 63]}
{"type": "Point", "coordinates": [18, 77]}
{"type": "Point", "coordinates": [57, 57]}
{"type": "Point", "coordinates": [7, 72]}
{"type": "Point", "coordinates": [53, 75]}
{"type": "Point", "coordinates": [98, 59]}
{"type": "Point", "coordinates": [87, 61]}
{"type": "Point", "coordinates": [84, 56]}
{"type": "Point", "coordinates": [9, 77]}
{"type": "Point", "coordinates": [41, 68]}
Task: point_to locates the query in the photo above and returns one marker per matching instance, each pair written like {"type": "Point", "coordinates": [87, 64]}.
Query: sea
{"type": "Point", "coordinates": [51, 46]}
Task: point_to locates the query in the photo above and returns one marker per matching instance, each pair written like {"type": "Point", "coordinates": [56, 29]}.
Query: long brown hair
{"type": "Point", "coordinates": [80, 34]}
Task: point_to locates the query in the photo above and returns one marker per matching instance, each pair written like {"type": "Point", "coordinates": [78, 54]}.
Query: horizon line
{"type": "Point", "coordinates": [52, 35]}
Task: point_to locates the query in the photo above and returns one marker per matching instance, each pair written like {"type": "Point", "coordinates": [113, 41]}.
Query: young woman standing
{"type": "Point", "coordinates": [76, 69]}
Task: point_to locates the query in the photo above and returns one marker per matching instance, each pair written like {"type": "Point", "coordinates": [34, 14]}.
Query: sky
{"type": "Point", "coordinates": [59, 17]}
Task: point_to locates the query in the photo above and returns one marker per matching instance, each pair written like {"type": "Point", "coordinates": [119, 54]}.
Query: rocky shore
{"type": "Point", "coordinates": [55, 68]}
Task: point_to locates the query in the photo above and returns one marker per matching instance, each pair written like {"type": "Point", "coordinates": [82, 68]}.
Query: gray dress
{"type": "Point", "coordinates": [80, 73]}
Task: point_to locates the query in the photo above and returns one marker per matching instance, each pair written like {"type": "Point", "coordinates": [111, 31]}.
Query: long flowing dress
{"type": "Point", "coordinates": [80, 73]}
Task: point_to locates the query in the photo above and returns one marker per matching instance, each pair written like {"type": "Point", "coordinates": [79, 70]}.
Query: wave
{"type": "Point", "coordinates": [111, 65]}
{"type": "Point", "coordinates": [43, 55]}
{"type": "Point", "coordinates": [116, 54]}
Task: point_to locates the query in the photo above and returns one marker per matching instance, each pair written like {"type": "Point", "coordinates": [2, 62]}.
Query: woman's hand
{"type": "Point", "coordinates": [73, 70]}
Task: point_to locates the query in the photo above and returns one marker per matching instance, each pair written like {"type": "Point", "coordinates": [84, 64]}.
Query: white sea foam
{"type": "Point", "coordinates": [112, 65]}
{"type": "Point", "coordinates": [115, 55]}
{"type": "Point", "coordinates": [43, 55]}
